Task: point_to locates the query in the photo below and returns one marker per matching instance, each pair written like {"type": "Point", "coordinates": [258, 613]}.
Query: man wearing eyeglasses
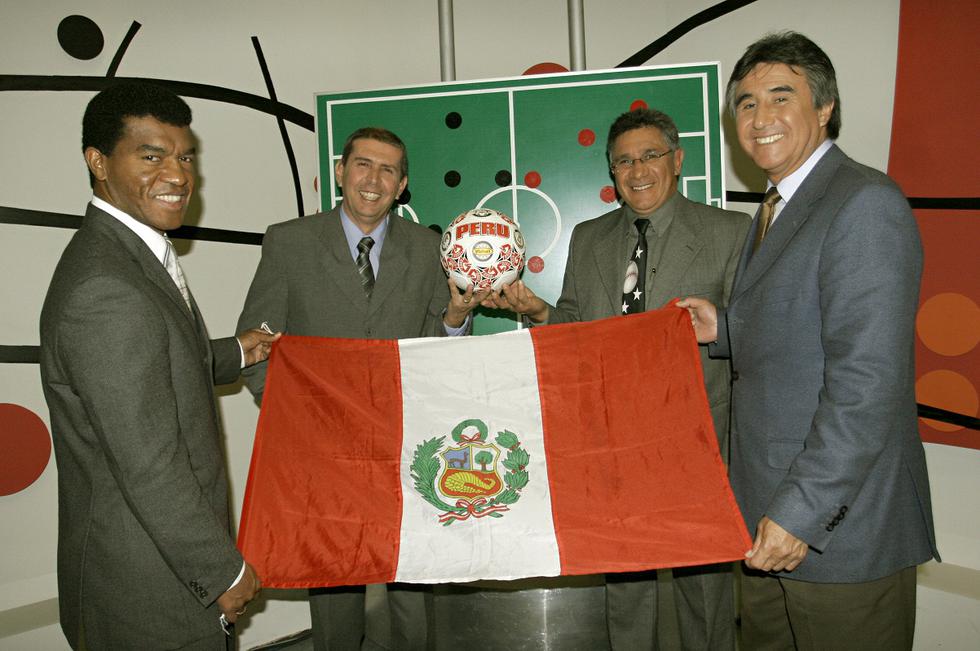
{"type": "Point", "coordinates": [685, 248]}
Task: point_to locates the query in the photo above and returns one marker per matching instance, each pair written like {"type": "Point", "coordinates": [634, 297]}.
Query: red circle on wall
{"type": "Point", "coordinates": [545, 68]}
{"type": "Point", "coordinates": [532, 179]}
{"type": "Point", "coordinates": [638, 104]}
{"type": "Point", "coordinates": [26, 448]}
{"type": "Point", "coordinates": [607, 193]}
{"type": "Point", "coordinates": [535, 264]}
{"type": "Point", "coordinates": [586, 137]}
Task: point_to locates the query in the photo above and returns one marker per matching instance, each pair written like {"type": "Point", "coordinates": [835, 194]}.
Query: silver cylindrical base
{"type": "Point", "coordinates": [566, 613]}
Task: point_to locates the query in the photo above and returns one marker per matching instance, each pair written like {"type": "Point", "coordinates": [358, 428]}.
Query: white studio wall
{"type": "Point", "coordinates": [247, 184]}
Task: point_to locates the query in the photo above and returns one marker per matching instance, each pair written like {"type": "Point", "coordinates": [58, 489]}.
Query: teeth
{"type": "Point", "coordinates": [170, 198]}
{"type": "Point", "coordinates": [641, 188]}
{"type": "Point", "coordinates": [769, 139]}
{"type": "Point", "coordinates": [370, 196]}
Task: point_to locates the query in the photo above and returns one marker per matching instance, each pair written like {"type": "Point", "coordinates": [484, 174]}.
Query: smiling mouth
{"type": "Point", "coordinates": [768, 140]}
{"type": "Point", "coordinates": [369, 196]}
{"type": "Point", "coordinates": [641, 188]}
{"type": "Point", "coordinates": [173, 199]}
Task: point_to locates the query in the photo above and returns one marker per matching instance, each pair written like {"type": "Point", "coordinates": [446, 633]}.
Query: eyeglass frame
{"type": "Point", "coordinates": [627, 164]}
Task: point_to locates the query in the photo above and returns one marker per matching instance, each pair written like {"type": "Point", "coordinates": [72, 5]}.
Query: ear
{"type": "Point", "coordinates": [338, 173]}
{"type": "Point", "coordinates": [401, 186]}
{"type": "Point", "coordinates": [96, 162]}
{"type": "Point", "coordinates": [824, 112]}
{"type": "Point", "coordinates": [678, 161]}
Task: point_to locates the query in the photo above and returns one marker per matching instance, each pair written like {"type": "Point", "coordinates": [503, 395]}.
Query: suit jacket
{"type": "Point", "coordinates": [144, 545]}
{"type": "Point", "coordinates": [820, 329]}
{"type": "Point", "coordinates": [699, 259]}
{"type": "Point", "coordinates": [307, 284]}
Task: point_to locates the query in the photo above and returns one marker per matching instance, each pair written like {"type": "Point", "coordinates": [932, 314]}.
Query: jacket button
{"type": "Point", "coordinates": [829, 527]}
{"type": "Point", "coordinates": [734, 376]}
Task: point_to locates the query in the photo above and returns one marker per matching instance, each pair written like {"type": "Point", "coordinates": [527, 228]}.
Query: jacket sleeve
{"type": "Point", "coordinates": [266, 301]}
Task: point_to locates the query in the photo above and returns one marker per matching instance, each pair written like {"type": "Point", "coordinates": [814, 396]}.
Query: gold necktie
{"type": "Point", "coordinates": [766, 213]}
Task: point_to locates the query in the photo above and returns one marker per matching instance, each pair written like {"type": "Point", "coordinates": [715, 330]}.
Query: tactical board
{"type": "Point", "coordinates": [532, 147]}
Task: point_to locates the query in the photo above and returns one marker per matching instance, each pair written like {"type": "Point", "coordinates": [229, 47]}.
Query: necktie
{"type": "Point", "coordinates": [766, 213]}
{"type": "Point", "coordinates": [636, 272]}
{"type": "Point", "coordinates": [172, 266]}
{"type": "Point", "coordinates": [364, 269]}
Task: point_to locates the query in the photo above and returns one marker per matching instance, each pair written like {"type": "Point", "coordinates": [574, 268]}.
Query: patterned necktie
{"type": "Point", "coordinates": [364, 269]}
{"type": "Point", "coordinates": [172, 266]}
{"type": "Point", "coordinates": [636, 272]}
{"type": "Point", "coordinates": [766, 213]}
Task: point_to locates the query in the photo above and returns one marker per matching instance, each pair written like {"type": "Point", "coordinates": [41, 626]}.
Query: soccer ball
{"type": "Point", "coordinates": [484, 248]}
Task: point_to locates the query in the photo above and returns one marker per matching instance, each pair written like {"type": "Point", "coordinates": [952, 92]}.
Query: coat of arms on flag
{"type": "Point", "coordinates": [469, 472]}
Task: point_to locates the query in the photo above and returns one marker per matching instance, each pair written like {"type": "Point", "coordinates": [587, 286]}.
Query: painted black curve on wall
{"type": "Point", "coordinates": [695, 21]}
{"type": "Point", "coordinates": [182, 88]}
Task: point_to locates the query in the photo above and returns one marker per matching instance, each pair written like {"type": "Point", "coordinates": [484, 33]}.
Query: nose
{"type": "Point", "coordinates": [762, 117]}
{"type": "Point", "coordinates": [176, 172]}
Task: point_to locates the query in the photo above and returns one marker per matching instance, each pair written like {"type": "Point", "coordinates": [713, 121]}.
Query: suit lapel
{"type": "Point", "coordinates": [335, 259]}
{"type": "Point", "coordinates": [683, 244]}
{"type": "Point", "coordinates": [791, 219]}
{"type": "Point", "coordinates": [608, 258]}
{"type": "Point", "coordinates": [394, 263]}
{"type": "Point", "coordinates": [140, 253]}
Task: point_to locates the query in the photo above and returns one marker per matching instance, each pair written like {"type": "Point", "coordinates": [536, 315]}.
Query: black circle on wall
{"type": "Point", "coordinates": [453, 120]}
{"type": "Point", "coordinates": [404, 197]}
{"type": "Point", "coordinates": [502, 178]}
{"type": "Point", "coordinates": [80, 37]}
{"type": "Point", "coordinates": [452, 178]}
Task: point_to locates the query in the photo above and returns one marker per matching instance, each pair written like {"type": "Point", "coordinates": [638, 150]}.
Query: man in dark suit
{"type": "Point", "coordinates": [146, 559]}
{"type": "Point", "coordinates": [827, 464]}
{"type": "Point", "coordinates": [689, 249]}
{"type": "Point", "coordinates": [358, 271]}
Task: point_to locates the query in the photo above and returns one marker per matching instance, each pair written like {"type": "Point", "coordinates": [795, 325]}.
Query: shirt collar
{"type": "Point", "coordinates": [789, 185]}
{"type": "Point", "coordinates": [660, 219]}
{"type": "Point", "coordinates": [354, 234]}
{"type": "Point", "coordinates": [152, 237]}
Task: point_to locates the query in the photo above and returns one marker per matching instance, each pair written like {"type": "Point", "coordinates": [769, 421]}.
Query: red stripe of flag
{"type": "Point", "coordinates": [636, 477]}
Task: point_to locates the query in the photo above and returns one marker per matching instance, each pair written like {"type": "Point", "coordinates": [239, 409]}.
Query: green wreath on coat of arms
{"type": "Point", "coordinates": [468, 472]}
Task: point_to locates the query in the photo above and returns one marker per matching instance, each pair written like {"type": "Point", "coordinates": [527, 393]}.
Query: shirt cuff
{"type": "Point", "coordinates": [461, 330]}
{"type": "Point", "coordinates": [241, 350]}
{"type": "Point", "coordinates": [240, 575]}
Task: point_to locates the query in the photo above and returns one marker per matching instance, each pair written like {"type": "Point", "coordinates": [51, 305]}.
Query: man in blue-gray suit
{"type": "Point", "coordinates": [826, 462]}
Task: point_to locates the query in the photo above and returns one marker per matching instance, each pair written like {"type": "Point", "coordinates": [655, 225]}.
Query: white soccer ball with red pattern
{"type": "Point", "coordinates": [482, 247]}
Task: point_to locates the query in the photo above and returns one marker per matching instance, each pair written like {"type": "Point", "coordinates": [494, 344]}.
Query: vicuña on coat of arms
{"type": "Point", "coordinates": [470, 472]}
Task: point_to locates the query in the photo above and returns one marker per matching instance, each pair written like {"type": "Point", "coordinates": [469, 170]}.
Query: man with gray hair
{"type": "Point", "coordinates": [656, 246]}
{"type": "Point", "coordinates": [826, 463]}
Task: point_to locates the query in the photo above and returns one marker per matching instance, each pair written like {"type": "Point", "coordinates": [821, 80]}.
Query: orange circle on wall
{"type": "Point", "coordinates": [949, 324]}
{"type": "Point", "coordinates": [946, 390]}
{"type": "Point", "coordinates": [26, 448]}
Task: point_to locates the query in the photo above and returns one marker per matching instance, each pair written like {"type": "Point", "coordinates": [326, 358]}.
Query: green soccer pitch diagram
{"type": "Point", "coordinates": [531, 147]}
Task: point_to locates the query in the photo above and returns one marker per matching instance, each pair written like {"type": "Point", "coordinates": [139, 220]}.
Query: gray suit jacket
{"type": "Point", "coordinates": [820, 329]}
{"type": "Point", "coordinates": [307, 284]}
{"type": "Point", "coordinates": [699, 259]}
{"type": "Point", "coordinates": [144, 546]}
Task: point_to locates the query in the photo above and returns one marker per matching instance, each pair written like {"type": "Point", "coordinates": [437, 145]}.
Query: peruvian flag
{"type": "Point", "coordinates": [569, 449]}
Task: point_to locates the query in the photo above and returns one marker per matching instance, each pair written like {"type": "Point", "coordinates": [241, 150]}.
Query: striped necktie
{"type": "Point", "coordinates": [172, 266]}
{"type": "Point", "coordinates": [364, 269]}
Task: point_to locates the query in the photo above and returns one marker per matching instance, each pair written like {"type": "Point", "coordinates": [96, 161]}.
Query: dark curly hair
{"type": "Point", "coordinates": [104, 122]}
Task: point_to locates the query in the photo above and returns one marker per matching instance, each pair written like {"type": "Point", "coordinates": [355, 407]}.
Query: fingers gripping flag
{"type": "Point", "coordinates": [569, 449]}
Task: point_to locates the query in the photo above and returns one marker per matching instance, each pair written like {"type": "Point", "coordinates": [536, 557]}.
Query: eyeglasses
{"type": "Point", "coordinates": [626, 164]}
